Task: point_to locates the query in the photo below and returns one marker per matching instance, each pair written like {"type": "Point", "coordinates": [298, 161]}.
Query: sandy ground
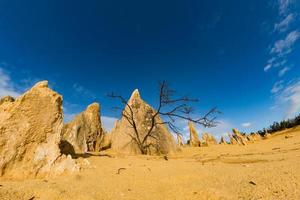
{"type": "Point", "coordinates": [269, 169]}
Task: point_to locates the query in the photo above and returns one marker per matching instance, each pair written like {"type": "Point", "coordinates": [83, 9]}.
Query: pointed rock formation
{"type": "Point", "coordinates": [208, 139]}
{"type": "Point", "coordinates": [123, 135]}
{"type": "Point", "coordinates": [232, 139]}
{"type": "Point", "coordinates": [84, 133]}
{"type": "Point", "coordinates": [180, 140]}
{"type": "Point", "coordinates": [254, 137]}
{"type": "Point", "coordinates": [6, 99]}
{"type": "Point", "coordinates": [30, 132]}
{"type": "Point", "coordinates": [194, 137]}
{"type": "Point", "coordinates": [223, 141]}
{"type": "Point", "coordinates": [241, 139]}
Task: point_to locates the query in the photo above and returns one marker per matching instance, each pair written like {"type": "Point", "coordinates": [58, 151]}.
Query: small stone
{"type": "Point", "coordinates": [252, 182]}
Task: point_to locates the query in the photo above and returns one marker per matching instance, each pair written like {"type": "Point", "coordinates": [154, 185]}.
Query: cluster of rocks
{"type": "Point", "coordinates": [34, 141]}
{"type": "Point", "coordinates": [243, 139]}
{"type": "Point", "coordinates": [206, 140]}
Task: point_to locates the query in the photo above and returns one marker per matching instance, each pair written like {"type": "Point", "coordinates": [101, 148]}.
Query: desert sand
{"type": "Point", "coordinates": [267, 169]}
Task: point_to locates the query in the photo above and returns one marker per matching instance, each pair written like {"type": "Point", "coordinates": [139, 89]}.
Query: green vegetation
{"type": "Point", "coordinates": [279, 126]}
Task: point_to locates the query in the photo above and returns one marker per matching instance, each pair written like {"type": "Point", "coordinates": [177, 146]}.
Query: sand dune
{"type": "Point", "coordinates": [267, 169]}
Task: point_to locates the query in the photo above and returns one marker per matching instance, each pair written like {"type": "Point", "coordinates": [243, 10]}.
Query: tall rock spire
{"type": "Point", "coordinates": [124, 136]}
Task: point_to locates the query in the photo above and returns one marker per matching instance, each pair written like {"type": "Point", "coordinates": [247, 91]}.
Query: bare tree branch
{"type": "Point", "coordinates": [169, 107]}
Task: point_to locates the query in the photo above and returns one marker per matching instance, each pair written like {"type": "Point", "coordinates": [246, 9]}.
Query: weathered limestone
{"type": "Point", "coordinates": [254, 137]}
{"type": "Point", "coordinates": [84, 133]}
{"type": "Point", "coordinates": [241, 139]}
{"type": "Point", "coordinates": [223, 141]}
{"type": "Point", "coordinates": [123, 135]}
{"type": "Point", "coordinates": [180, 140]}
{"type": "Point", "coordinates": [267, 135]}
{"type": "Point", "coordinates": [232, 139]}
{"type": "Point", "coordinates": [105, 142]}
{"type": "Point", "coordinates": [6, 99]}
{"type": "Point", "coordinates": [194, 137]}
{"type": "Point", "coordinates": [30, 132]}
{"type": "Point", "coordinates": [208, 139]}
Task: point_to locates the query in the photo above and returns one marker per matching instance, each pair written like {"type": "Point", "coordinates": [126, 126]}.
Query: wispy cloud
{"type": "Point", "coordinates": [289, 99]}
{"type": "Point", "coordinates": [246, 124]}
{"type": "Point", "coordinates": [284, 46]}
{"type": "Point", "coordinates": [267, 67]}
{"type": "Point", "coordinates": [7, 86]}
{"type": "Point", "coordinates": [284, 6]}
{"type": "Point", "coordinates": [285, 23]}
{"type": "Point", "coordinates": [278, 86]}
{"type": "Point", "coordinates": [283, 71]}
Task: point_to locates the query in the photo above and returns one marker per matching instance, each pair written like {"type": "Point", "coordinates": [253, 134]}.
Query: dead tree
{"type": "Point", "coordinates": [170, 108]}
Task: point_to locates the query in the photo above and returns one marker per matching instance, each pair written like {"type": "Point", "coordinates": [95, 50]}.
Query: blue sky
{"type": "Point", "coordinates": [242, 57]}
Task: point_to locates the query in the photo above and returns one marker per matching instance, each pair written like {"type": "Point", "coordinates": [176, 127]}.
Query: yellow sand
{"type": "Point", "coordinates": [268, 169]}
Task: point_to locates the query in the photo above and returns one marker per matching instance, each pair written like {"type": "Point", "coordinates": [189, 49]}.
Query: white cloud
{"type": "Point", "coordinates": [278, 86]}
{"type": "Point", "coordinates": [6, 85]}
{"type": "Point", "coordinates": [108, 122]}
{"type": "Point", "coordinates": [267, 67]}
{"type": "Point", "coordinates": [285, 23]}
{"type": "Point", "coordinates": [289, 98]}
{"type": "Point", "coordinates": [246, 124]}
{"type": "Point", "coordinates": [283, 6]}
{"type": "Point", "coordinates": [283, 71]}
{"type": "Point", "coordinates": [284, 46]}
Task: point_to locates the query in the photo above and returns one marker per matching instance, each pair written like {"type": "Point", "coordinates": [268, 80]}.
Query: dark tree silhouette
{"type": "Point", "coordinates": [279, 126]}
{"type": "Point", "coordinates": [170, 108]}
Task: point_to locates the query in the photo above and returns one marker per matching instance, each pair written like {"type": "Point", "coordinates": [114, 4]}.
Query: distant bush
{"type": "Point", "coordinates": [279, 126]}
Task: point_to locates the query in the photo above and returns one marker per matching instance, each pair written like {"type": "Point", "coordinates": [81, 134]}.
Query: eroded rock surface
{"type": "Point", "coordinates": [241, 139]}
{"type": "Point", "coordinates": [180, 140]}
{"type": "Point", "coordinates": [84, 133]}
{"type": "Point", "coordinates": [223, 141]}
{"type": "Point", "coordinates": [208, 139]}
{"type": "Point", "coordinates": [194, 137]}
{"type": "Point", "coordinates": [6, 99]}
{"type": "Point", "coordinates": [30, 131]}
{"type": "Point", "coordinates": [105, 142]}
{"type": "Point", "coordinates": [123, 134]}
{"type": "Point", "coordinates": [254, 137]}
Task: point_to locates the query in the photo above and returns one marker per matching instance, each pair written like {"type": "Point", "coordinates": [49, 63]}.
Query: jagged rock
{"type": "Point", "coordinates": [122, 135]}
{"type": "Point", "coordinates": [180, 140]}
{"type": "Point", "coordinates": [84, 133]}
{"type": "Point", "coordinates": [30, 131]}
{"type": "Point", "coordinates": [194, 137]}
{"type": "Point", "coordinates": [254, 137]}
{"type": "Point", "coordinates": [241, 139]}
{"type": "Point", "coordinates": [208, 139]}
{"type": "Point", "coordinates": [105, 142]}
{"type": "Point", "coordinates": [223, 141]}
{"type": "Point", "coordinates": [232, 139]}
{"type": "Point", "coordinates": [6, 99]}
